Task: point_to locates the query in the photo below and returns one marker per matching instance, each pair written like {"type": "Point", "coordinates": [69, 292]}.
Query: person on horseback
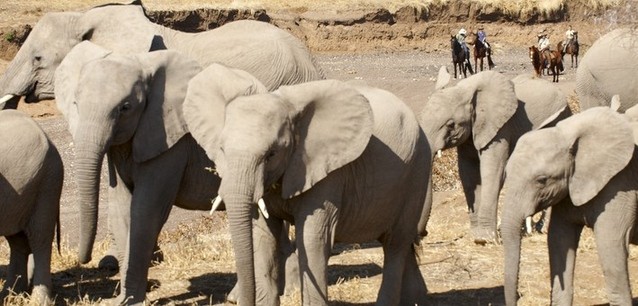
{"type": "Point", "coordinates": [569, 36]}
{"type": "Point", "coordinates": [482, 37]}
{"type": "Point", "coordinates": [543, 47]}
{"type": "Point", "coordinates": [460, 37]}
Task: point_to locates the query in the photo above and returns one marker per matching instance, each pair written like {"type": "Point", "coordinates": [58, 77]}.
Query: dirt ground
{"type": "Point", "coordinates": [198, 267]}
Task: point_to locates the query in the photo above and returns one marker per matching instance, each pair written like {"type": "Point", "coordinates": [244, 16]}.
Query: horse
{"type": "Point", "coordinates": [572, 49]}
{"type": "Point", "coordinates": [459, 58]}
{"type": "Point", "coordinates": [538, 62]}
{"type": "Point", "coordinates": [480, 52]}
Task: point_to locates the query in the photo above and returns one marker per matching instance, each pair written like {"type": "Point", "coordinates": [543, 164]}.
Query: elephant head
{"type": "Point", "coordinates": [572, 161]}
{"type": "Point", "coordinates": [111, 100]}
{"type": "Point", "coordinates": [475, 108]}
{"type": "Point", "coordinates": [121, 28]}
{"type": "Point", "coordinates": [294, 137]}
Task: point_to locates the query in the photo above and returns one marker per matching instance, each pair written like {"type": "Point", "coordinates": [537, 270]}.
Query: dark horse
{"type": "Point", "coordinates": [480, 52]}
{"type": "Point", "coordinates": [572, 48]}
{"type": "Point", "coordinates": [552, 57]}
{"type": "Point", "coordinates": [459, 58]}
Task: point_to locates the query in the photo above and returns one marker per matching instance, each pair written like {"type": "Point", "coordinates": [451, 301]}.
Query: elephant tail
{"type": "Point", "coordinates": [57, 234]}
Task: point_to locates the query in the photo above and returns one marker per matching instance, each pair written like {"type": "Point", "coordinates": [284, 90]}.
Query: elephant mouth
{"type": "Point", "coordinates": [33, 96]}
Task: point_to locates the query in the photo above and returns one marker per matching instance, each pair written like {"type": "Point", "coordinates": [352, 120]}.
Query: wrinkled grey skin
{"type": "Point", "coordinates": [30, 188]}
{"type": "Point", "coordinates": [128, 107]}
{"type": "Point", "coordinates": [610, 67]}
{"type": "Point", "coordinates": [317, 156]}
{"type": "Point", "coordinates": [272, 55]}
{"type": "Point", "coordinates": [483, 116]}
{"type": "Point", "coordinates": [586, 169]}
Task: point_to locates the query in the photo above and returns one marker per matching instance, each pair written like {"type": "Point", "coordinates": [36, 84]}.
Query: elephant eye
{"type": "Point", "coordinates": [541, 180]}
{"type": "Point", "coordinates": [125, 106]}
{"type": "Point", "coordinates": [37, 60]}
{"type": "Point", "coordinates": [269, 155]}
{"type": "Point", "coordinates": [449, 124]}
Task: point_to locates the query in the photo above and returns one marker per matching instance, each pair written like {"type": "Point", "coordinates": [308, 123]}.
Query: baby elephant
{"type": "Point", "coordinates": [585, 169]}
{"type": "Point", "coordinates": [31, 175]}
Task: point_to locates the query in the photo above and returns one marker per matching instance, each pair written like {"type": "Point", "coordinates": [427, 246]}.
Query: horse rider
{"type": "Point", "coordinates": [569, 36]}
{"type": "Point", "coordinates": [482, 37]}
{"type": "Point", "coordinates": [543, 46]}
{"type": "Point", "coordinates": [460, 38]}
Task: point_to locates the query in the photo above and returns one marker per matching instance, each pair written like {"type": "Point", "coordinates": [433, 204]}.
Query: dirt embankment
{"type": "Point", "coordinates": [380, 30]}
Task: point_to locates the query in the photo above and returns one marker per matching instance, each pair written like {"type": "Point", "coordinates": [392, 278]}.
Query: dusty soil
{"type": "Point", "coordinates": [198, 269]}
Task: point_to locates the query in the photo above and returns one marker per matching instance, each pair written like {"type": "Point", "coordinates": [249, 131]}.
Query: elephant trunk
{"type": "Point", "coordinates": [513, 219]}
{"type": "Point", "coordinates": [89, 157]}
{"type": "Point", "coordinates": [16, 81]}
{"type": "Point", "coordinates": [239, 187]}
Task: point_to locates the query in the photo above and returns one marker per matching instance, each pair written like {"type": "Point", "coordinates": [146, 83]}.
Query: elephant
{"type": "Point", "coordinates": [608, 68]}
{"type": "Point", "coordinates": [271, 54]}
{"type": "Point", "coordinates": [31, 174]}
{"type": "Point", "coordinates": [585, 169]}
{"type": "Point", "coordinates": [342, 162]}
{"type": "Point", "coordinates": [483, 116]}
{"type": "Point", "coordinates": [129, 108]}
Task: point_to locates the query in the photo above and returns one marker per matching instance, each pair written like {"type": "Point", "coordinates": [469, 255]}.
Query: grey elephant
{"type": "Point", "coordinates": [483, 116]}
{"type": "Point", "coordinates": [585, 169]}
{"type": "Point", "coordinates": [273, 55]}
{"type": "Point", "coordinates": [609, 68]}
{"type": "Point", "coordinates": [344, 163]}
{"type": "Point", "coordinates": [129, 108]}
{"type": "Point", "coordinates": [31, 175]}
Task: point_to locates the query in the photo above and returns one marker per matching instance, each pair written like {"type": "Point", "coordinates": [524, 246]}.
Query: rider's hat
{"type": "Point", "coordinates": [462, 31]}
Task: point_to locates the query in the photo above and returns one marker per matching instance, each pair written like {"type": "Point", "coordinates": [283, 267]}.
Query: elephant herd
{"type": "Point", "coordinates": [342, 162]}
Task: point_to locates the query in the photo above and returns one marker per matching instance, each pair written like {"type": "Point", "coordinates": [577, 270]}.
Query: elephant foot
{"type": "Point", "coordinates": [484, 236]}
{"type": "Point", "coordinates": [233, 296]}
{"type": "Point", "coordinates": [41, 296]}
{"type": "Point", "coordinates": [292, 282]}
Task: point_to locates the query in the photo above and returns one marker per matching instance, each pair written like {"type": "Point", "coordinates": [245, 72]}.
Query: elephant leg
{"type": "Point", "coordinates": [42, 284]}
{"type": "Point", "coordinates": [469, 173]}
{"type": "Point", "coordinates": [152, 201]}
{"type": "Point", "coordinates": [492, 169]}
{"type": "Point", "coordinates": [315, 224]}
{"type": "Point", "coordinates": [413, 289]}
{"type": "Point", "coordinates": [288, 263]}
{"type": "Point", "coordinates": [119, 221]}
{"type": "Point", "coordinates": [266, 235]}
{"type": "Point", "coordinates": [613, 233]}
{"type": "Point", "coordinates": [562, 242]}
{"type": "Point", "coordinates": [17, 279]}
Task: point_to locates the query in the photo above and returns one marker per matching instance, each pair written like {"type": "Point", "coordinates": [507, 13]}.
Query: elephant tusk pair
{"type": "Point", "coordinates": [261, 204]}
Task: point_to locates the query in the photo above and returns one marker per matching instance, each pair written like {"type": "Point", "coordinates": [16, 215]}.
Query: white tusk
{"type": "Point", "coordinates": [439, 153]}
{"type": "Point", "coordinates": [262, 207]}
{"type": "Point", "coordinates": [216, 203]}
{"type": "Point", "coordinates": [6, 98]}
{"type": "Point", "coordinates": [528, 225]}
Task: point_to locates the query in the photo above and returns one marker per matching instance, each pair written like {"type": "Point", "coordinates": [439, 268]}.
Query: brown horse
{"type": "Point", "coordinates": [572, 49]}
{"type": "Point", "coordinates": [459, 58]}
{"type": "Point", "coordinates": [480, 52]}
{"type": "Point", "coordinates": [539, 61]}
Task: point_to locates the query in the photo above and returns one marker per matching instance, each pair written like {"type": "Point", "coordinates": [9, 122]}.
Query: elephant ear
{"type": "Point", "coordinates": [67, 77]}
{"type": "Point", "coordinates": [208, 94]}
{"type": "Point", "coordinates": [120, 28]}
{"type": "Point", "coordinates": [494, 101]}
{"type": "Point", "coordinates": [333, 125]}
{"type": "Point", "coordinates": [443, 78]}
{"type": "Point", "coordinates": [162, 122]}
{"type": "Point", "coordinates": [602, 144]}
